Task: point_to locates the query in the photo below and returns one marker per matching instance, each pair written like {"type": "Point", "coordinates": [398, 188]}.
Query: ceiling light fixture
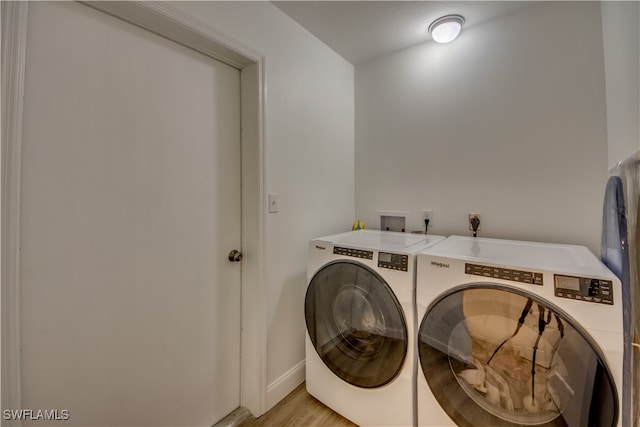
{"type": "Point", "coordinates": [446, 28]}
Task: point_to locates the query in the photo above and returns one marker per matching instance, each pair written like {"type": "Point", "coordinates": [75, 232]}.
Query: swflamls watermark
{"type": "Point", "coordinates": [35, 414]}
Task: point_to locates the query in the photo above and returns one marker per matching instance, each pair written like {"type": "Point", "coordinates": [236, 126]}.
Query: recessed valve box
{"type": "Point", "coordinates": [393, 220]}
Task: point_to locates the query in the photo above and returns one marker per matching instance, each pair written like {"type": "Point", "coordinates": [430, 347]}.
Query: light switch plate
{"type": "Point", "coordinates": [273, 202]}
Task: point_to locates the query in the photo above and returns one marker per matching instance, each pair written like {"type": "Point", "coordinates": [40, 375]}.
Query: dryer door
{"type": "Point", "coordinates": [498, 356]}
{"type": "Point", "coordinates": [356, 324]}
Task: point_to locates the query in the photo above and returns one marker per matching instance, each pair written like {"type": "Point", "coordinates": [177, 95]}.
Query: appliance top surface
{"type": "Point", "coordinates": [382, 240]}
{"type": "Point", "coordinates": [512, 253]}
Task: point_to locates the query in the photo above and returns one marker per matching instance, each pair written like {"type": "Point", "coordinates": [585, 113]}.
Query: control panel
{"type": "Point", "coordinates": [356, 253]}
{"type": "Point", "coordinates": [510, 274]}
{"type": "Point", "coordinates": [393, 261]}
{"type": "Point", "coordinates": [584, 289]}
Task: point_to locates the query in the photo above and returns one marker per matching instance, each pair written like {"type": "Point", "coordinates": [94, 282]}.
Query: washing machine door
{"type": "Point", "coordinates": [356, 324]}
{"type": "Point", "coordinates": [497, 356]}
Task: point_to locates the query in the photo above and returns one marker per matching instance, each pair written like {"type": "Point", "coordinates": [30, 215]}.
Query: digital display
{"type": "Point", "coordinates": [384, 257]}
{"type": "Point", "coordinates": [566, 282]}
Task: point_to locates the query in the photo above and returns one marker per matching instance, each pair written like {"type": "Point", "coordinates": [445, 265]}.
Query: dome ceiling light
{"type": "Point", "coordinates": [445, 29]}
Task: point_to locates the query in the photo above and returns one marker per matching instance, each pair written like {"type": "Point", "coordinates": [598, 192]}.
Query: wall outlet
{"type": "Point", "coordinates": [426, 214]}
{"type": "Point", "coordinates": [472, 217]}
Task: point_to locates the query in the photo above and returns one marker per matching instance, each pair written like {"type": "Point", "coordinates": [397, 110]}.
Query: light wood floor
{"type": "Point", "coordinates": [299, 409]}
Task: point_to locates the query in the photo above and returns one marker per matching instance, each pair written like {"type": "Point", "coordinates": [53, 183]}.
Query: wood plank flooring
{"type": "Point", "coordinates": [298, 409]}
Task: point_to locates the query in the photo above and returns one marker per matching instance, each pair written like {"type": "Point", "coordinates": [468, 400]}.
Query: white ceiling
{"type": "Point", "coordinates": [363, 30]}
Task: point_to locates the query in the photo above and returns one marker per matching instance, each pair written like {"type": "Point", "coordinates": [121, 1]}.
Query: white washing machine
{"type": "Point", "coordinates": [517, 333]}
{"type": "Point", "coordinates": [359, 310]}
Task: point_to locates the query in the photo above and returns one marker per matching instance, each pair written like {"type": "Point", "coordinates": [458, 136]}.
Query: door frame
{"type": "Point", "coordinates": [168, 22]}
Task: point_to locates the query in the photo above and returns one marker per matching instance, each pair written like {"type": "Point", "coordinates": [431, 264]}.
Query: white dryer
{"type": "Point", "coordinates": [517, 333]}
{"type": "Point", "coordinates": [359, 310]}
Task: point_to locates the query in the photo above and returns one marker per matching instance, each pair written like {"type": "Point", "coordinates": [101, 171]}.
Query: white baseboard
{"type": "Point", "coordinates": [280, 388]}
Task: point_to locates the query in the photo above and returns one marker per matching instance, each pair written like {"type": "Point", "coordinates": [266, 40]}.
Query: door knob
{"type": "Point", "coordinates": [235, 256]}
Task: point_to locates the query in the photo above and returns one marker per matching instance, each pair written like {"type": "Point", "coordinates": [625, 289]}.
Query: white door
{"type": "Point", "coordinates": [130, 310]}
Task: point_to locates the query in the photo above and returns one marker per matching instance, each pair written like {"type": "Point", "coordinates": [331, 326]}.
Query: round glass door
{"type": "Point", "coordinates": [500, 357]}
{"type": "Point", "coordinates": [356, 324]}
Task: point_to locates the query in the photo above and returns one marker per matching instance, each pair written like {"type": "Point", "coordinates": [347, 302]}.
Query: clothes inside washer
{"type": "Point", "coordinates": [492, 316]}
{"type": "Point", "coordinates": [515, 373]}
{"type": "Point", "coordinates": [505, 384]}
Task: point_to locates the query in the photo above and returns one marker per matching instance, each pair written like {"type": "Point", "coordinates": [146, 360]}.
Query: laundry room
{"type": "Point", "coordinates": [518, 121]}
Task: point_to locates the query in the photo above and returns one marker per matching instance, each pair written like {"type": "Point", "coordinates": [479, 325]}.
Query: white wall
{"type": "Point", "coordinates": [509, 120]}
{"type": "Point", "coordinates": [621, 38]}
{"type": "Point", "coordinates": [309, 161]}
